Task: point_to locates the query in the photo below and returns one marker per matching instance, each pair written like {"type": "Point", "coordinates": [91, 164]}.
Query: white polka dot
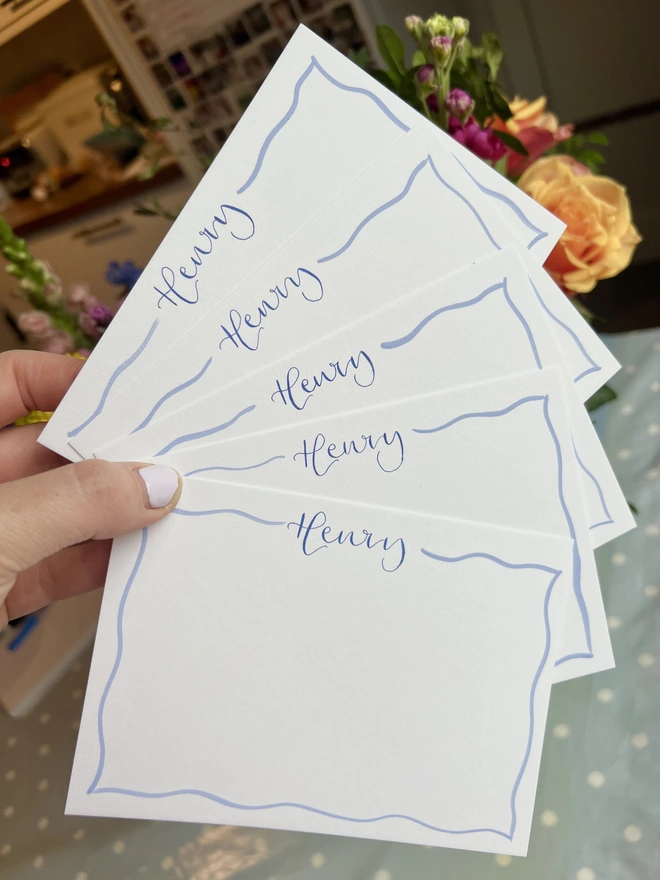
{"type": "Point", "coordinates": [118, 847]}
{"type": "Point", "coordinates": [167, 864]}
{"type": "Point", "coordinates": [11, 742]}
{"type": "Point", "coordinates": [653, 529]}
{"type": "Point", "coordinates": [656, 346]}
{"type": "Point", "coordinates": [639, 740]}
{"type": "Point", "coordinates": [585, 874]}
{"type": "Point", "coordinates": [630, 369]}
{"type": "Point", "coordinates": [632, 833]}
{"type": "Point", "coordinates": [42, 785]}
{"type": "Point", "coordinates": [619, 559]}
{"type": "Point", "coordinates": [45, 718]}
{"type": "Point", "coordinates": [561, 731]}
{"type": "Point", "coordinates": [43, 823]}
{"type": "Point", "coordinates": [596, 779]}
{"type": "Point", "coordinates": [80, 876]}
{"type": "Point", "coordinates": [645, 660]}
{"type": "Point", "coordinates": [502, 860]}
{"type": "Point", "coordinates": [10, 775]}
{"type": "Point", "coordinates": [624, 454]}
{"type": "Point", "coordinates": [655, 386]}
{"type": "Point", "coordinates": [382, 874]}
{"type": "Point", "coordinates": [8, 812]}
{"type": "Point", "coordinates": [652, 474]}
{"type": "Point", "coordinates": [627, 409]}
{"type": "Point", "coordinates": [38, 862]}
{"type": "Point", "coordinates": [614, 622]}
{"type": "Point", "coordinates": [44, 750]}
{"type": "Point", "coordinates": [605, 695]}
{"type": "Point", "coordinates": [317, 860]}
{"type": "Point", "coordinates": [79, 834]}
{"type": "Point", "coordinates": [77, 694]}
{"type": "Point", "coordinates": [651, 591]}
{"type": "Point", "coordinates": [653, 429]}
{"type": "Point", "coordinates": [5, 849]}
{"type": "Point", "coordinates": [549, 818]}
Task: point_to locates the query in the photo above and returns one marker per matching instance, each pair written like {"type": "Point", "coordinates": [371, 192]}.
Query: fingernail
{"type": "Point", "coordinates": [163, 485]}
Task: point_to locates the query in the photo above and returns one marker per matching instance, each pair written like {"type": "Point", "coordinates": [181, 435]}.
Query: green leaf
{"type": "Point", "coordinates": [391, 49]}
{"type": "Point", "coordinates": [600, 398]}
{"type": "Point", "coordinates": [143, 211]}
{"type": "Point", "coordinates": [497, 101]}
{"type": "Point", "coordinates": [419, 58]}
{"type": "Point", "coordinates": [384, 78]}
{"type": "Point", "coordinates": [493, 53]}
{"type": "Point", "coordinates": [104, 99]}
{"type": "Point", "coordinates": [359, 56]}
{"type": "Point", "coordinates": [632, 507]}
{"type": "Point", "coordinates": [597, 137]}
{"type": "Point", "coordinates": [592, 158]}
{"type": "Point", "coordinates": [512, 142]}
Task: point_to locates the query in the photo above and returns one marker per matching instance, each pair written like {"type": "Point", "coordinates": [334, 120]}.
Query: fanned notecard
{"type": "Point", "coordinates": [382, 557]}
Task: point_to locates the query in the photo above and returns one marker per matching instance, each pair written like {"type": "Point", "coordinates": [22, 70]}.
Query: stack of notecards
{"type": "Point", "coordinates": [382, 558]}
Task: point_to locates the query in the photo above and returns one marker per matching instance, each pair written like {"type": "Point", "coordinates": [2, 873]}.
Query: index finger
{"type": "Point", "coordinates": [32, 380]}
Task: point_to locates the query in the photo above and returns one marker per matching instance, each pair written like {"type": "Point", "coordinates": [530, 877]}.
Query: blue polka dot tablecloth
{"type": "Point", "coordinates": [598, 804]}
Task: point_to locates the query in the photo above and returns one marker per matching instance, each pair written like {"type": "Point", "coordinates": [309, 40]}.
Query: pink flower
{"type": "Point", "coordinates": [426, 74]}
{"type": "Point", "coordinates": [58, 342]}
{"type": "Point", "coordinates": [36, 325]}
{"type": "Point", "coordinates": [483, 142]}
{"type": "Point", "coordinates": [95, 322]}
{"type": "Point", "coordinates": [75, 296]}
{"type": "Point", "coordinates": [458, 103]}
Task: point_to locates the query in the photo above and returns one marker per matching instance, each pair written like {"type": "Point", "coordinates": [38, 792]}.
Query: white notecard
{"type": "Point", "coordinates": [334, 697]}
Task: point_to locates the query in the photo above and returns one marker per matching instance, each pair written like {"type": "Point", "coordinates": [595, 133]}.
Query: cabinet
{"type": "Point", "coordinates": [17, 15]}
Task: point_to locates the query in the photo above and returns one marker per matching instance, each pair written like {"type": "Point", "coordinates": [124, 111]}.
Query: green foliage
{"type": "Point", "coordinates": [511, 141]}
{"type": "Point", "coordinates": [475, 71]}
{"type": "Point", "coordinates": [579, 147]}
{"type": "Point", "coordinates": [392, 52]}
{"type": "Point", "coordinates": [600, 398]}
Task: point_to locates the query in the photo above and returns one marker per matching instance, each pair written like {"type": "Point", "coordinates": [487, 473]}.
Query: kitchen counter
{"type": "Point", "coordinates": [84, 196]}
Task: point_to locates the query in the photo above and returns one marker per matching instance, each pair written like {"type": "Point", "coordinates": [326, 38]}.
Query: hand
{"type": "Point", "coordinates": [57, 519]}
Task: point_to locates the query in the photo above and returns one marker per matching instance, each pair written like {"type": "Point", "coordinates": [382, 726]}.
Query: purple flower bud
{"type": "Point", "coordinates": [426, 74]}
{"type": "Point", "coordinates": [441, 48]}
{"type": "Point", "coordinates": [432, 102]}
{"type": "Point", "coordinates": [459, 104]}
{"type": "Point", "coordinates": [412, 23]}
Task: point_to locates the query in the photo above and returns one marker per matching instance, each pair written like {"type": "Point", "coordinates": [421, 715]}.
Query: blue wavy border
{"type": "Point", "coordinates": [577, 560]}
{"type": "Point", "coordinates": [111, 381]}
{"type": "Point", "coordinates": [270, 137]}
{"type": "Point", "coordinates": [517, 210]}
{"type": "Point", "coordinates": [171, 393]}
{"type": "Point", "coordinates": [594, 367]}
{"type": "Point", "coordinates": [464, 304]}
{"type": "Point", "coordinates": [94, 788]}
{"type": "Point", "coordinates": [428, 161]}
{"type": "Point", "coordinates": [601, 495]}
{"type": "Point", "coordinates": [249, 467]}
{"type": "Point", "coordinates": [207, 432]}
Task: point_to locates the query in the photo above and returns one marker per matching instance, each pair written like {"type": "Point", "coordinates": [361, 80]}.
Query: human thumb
{"type": "Point", "coordinates": [42, 514]}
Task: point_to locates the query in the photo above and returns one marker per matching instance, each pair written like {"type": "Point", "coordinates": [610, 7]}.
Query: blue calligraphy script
{"type": "Point", "coordinates": [298, 392]}
{"type": "Point", "coordinates": [315, 455]}
{"type": "Point", "coordinates": [315, 530]}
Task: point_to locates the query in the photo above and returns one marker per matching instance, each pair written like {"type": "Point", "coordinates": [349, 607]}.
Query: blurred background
{"type": "Point", "coordinates": [87, 196]}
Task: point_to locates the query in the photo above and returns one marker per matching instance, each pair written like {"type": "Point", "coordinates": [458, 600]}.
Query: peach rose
{"type": "Point", "coordinates": [600, 238]}
{"type": "Point", "coordinates": [535, 127]}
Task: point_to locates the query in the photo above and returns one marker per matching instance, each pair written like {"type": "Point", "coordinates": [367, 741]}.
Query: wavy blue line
{"type": "Point", "coordinates": [577, 561]}
{"type": "Point", "coordinates": [263, 522]}
{"type": "Point", "coordinates": [467, 202]}
{"type": "Point", "coordinates": [398, 198]}
{"type": "Point", "coordinates": [197, 435]}
{"type": "Point", "coordinates": [292, 805]}
{"type": "Point", "coordinates": [404, 340]}
{"type": "Point", "coordinates": [514, 565]}
{"type": "Point", "coordinates": [115, 668]}
{"type": "Point", "coordinates": [594, 368]}
{"type": "Point", "coordinates": [171, 393]}
{"type": "Point", "coordinates": [270, 137]}
{"type": "Point", "coordinates": [394, 201]}
{"type": "Point", "coordinates": [527, 328]}
{"type": "Point", "coordinates": [517, 210]}
{"type": "Point", "coordinates": [111, 381]}
{"type": "Point", "coordinates": [492, 414]}
{"type": "Point", "coordinates": [249, 467]}
{"type": "Point", "coordinates": [544, 659]}
{"type": "Point", "coordinates": [584, 655]}
{"type": "Point", "coordinates": [599, 489]}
